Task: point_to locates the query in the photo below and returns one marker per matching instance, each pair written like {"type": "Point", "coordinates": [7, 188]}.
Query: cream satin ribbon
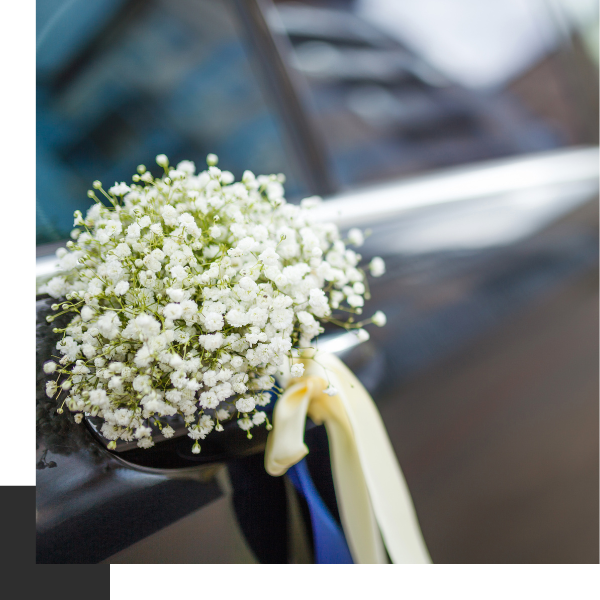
{"type": "Point", "coordinates": [373, 499]}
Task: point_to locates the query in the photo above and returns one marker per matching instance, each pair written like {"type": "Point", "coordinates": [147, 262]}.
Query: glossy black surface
{"type": "Point", "coordinates": [90, 504]}
{"type": "Point", "coordinates": [487, 379]}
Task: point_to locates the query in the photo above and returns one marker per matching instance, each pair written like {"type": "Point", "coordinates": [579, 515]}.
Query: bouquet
{"type": "Point", "coordinates": [189, 293]}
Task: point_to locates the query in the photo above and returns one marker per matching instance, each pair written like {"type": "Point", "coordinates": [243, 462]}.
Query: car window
{"type": "Point", "coordinates": [402, 87]}
{"type": "Point", "coordinates": [119, 82]}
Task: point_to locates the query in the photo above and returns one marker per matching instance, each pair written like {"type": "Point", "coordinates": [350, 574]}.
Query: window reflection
{"type": "Point", "coordinates": [121, 81]}
{"type": "Point", "coordinates": [402, 87]}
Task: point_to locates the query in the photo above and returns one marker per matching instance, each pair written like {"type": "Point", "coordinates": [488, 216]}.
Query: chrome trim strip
{"type": "Point", "coordinates": [493, 178]}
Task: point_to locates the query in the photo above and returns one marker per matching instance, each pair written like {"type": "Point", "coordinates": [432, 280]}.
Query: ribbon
{"type": "Point", "coordinates": [330, 545]}
{"type": "Point", "coordinates": [373, 498]}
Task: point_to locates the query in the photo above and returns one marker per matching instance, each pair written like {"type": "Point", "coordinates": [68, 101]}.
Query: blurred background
{"type": "Point", "coordinates": [387, 88]}
{"type": "Point", "coordinates": [464, 134]}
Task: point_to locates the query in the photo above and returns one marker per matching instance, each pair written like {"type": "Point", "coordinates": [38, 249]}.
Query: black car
{"type": "Point", "coordinates": [486, 214]}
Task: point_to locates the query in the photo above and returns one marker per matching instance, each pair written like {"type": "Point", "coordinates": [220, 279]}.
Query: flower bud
{"type": "Point", "coordinates": [379, 319]}
{"type": "Point", "coordinates": [212, 160]}
{"type": "Point", "coordinates": [362, 335]}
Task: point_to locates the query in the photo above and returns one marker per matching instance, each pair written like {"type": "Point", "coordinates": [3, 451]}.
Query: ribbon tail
{"type": "Point", "coordinates": [387, 489]}
{"type": "Point", "coordinates": [350, 485]}
{"type": "Point", "coordinates": [330, 545]}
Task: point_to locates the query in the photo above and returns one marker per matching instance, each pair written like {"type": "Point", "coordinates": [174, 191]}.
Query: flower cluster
{"type": "Point", "coordinates": [188, 293]}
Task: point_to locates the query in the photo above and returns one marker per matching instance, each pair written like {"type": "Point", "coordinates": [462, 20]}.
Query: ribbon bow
{"type": "Point", "coordinates": [374, 502]}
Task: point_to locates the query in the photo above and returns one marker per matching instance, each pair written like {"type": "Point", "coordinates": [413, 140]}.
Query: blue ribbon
{"type": "Point", "coordinates": [330, 544]}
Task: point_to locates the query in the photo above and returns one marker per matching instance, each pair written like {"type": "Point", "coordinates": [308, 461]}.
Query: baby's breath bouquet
{"type": "Point", "coordinates": [189, 292]}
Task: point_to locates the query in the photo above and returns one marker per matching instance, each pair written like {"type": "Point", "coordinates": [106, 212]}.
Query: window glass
{"type": "Point", "coordinates": [402, 87]}
{"type": "Point", "coordinates": [122, 81]}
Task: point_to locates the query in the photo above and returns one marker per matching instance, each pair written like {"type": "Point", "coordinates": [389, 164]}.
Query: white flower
{"type": "Point", "coordinates": [189, 309]}
{"type": "Point", "coordinates": [297, 370]}
{"type": "Point", "coordinates": [142, 431]}
{"type": "Point", "coordinates": [49, 367]}
{"type": "Point", "coordinates": [145, 442]}
{"type": "Point", "coordinates": [237, 318]}
{"type": "Point", "coordinates": [119, 189]}
{"type": "Point", "coordinates": [362, 335]}
{"type": "Point", "coordinates": [121, 288]}
{"type": "Point", "coordinates": [281, 318]}
{"type": "Point", "coordinates": [145, 222]}
{"type": "Point", "coordinates": [98, 398]}
{"type": "Point", "coordinates": [355, 300]}
{"type": "Point", "coordinates": [379, 319]}
{"type": "Point", "coordinates": [162, 160]}
{"type": "Point", "coordinates": [331, 391]}
{"type": "Point", "coordinates": [176, 295]}
{"type": "Point", "coordinates": [156, 228]}
{"type": "Point", "coordinates": [187, 167]}
{"type": "Point", "coordinates": [168, 431]}
{"type": "Point", "coordinates": [245, 404]}
{"type": "Point", "coordinates": [169, 214]}
{"type": "Point", "coordinates": [377, 267]}
{"type": "Point", "coordinates": [56, 287]}
{"type": "Point", "coordinates": [213, 321]}
{"type": "Point", "coordinates": [269, 256]}
{"type": "Point", "coordinates": [122, 250]}
{"type": "Point", "coordinates": [259, 417]}
{"type": "Point", "coordinates": [245, 424]}
{"type": "Point", "coordinates": [133, 232]}
{"type": "Point", "coordinates": [237, 362]}
{"type": "Point", "coordinates": [223, 414]}
{"type": "Point", "coordinates": [178, 272]}
{"type": "Point", "coordinates": [356, 237]}
{"type": "Point", "coordinates": [109, 325]}
{"type": "Point", "coordinates": [211, 342]}
{"type": "Point", "coordinates": [172, 311]}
